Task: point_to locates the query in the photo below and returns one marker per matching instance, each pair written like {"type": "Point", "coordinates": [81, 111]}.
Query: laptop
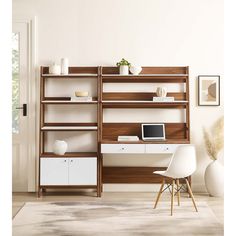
{"type": "Point", "coordinates": [153, 132]}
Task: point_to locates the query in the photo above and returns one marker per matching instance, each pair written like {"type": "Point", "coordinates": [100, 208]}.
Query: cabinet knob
{"type": "Point", "coordinates": [65, 160]}
{"type": "Point", "coordinates": [71, 160]}
{"type": "Point", "coordinates": [123, 148]}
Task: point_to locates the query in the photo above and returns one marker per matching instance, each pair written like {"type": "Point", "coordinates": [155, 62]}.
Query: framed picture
{"type": "Point", "coordinates": [208, 90]}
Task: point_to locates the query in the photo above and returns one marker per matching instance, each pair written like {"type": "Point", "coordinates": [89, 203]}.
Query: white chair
{"type": "Point", "coordinates": [182, 165]}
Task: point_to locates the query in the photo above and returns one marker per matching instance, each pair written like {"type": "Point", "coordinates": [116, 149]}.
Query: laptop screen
{"type": "Point", "coordinates": [153, 131]}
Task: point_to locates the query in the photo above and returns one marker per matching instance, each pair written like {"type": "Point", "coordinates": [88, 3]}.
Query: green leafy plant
{"type": "Point", "coordinates": [123, 62]}
{"type": "Point", "coordinates": [214, 139]}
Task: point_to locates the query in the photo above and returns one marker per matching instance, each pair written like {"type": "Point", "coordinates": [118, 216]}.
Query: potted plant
{"type": "Point", "coordinates": [123, 67]}
{"type": "Point", "coordinates": [214, 174]}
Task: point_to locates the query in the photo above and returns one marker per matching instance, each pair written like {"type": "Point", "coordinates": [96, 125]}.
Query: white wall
{"type": "Point", "coordinates": [149, 33]}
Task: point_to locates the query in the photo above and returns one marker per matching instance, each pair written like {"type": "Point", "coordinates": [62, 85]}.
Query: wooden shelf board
{"type": "Point", "coordinates": [69, 128]}
{"type": "Point", "coordinates": [69, 154]}
{"type": "Point", "coordinates": [143, 104]}
{"type": "Point", "coordinates": [144, 101]}
{"type": "Point", "coordinates": [82, 75]}
{"type": "Point", "coordinates": [144, 78]}
{"type": "Point", "coordinates": [143, 75]}
{"type": "Point", "coordinates": [167, 141]}
{"type": "Point", "coordinates": [67, 102]}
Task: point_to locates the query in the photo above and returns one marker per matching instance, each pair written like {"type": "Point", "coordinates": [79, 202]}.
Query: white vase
{"type": "Point", "coordinates": [161, 92]}
{"type": "Point", "coordinates": [60, 147]}
{"type": "Point", "coordinates": [214, 179]}
{"type": "Point", "coordinates": [124, 70]}
{"type": "Point", "coordinates": [64, 66]}
{"type": "Point", "coordinates": [135, 70]}
{"type": "Point", "coordinates": [55, 69]}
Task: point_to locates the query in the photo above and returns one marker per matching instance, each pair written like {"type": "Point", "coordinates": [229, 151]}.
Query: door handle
{"type": "Point", "coordinates": [24, 108]}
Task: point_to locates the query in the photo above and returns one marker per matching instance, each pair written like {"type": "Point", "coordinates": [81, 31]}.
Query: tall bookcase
{"type": "Point", "coordinates": [176, 132]}
{"type": "Point", "coordinates": [73, 169]}
{"type": "Point", "coordinates": [85, 169]}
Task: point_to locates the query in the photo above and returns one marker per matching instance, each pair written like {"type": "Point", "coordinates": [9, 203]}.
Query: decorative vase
{"type": "Point", "coordinates": [161, 91]}
{"type": "Point", "coordinates": [135, 70]}
{"type": "Point", "coordinates": [55, 69]}
{"type": "Point", "coordinates": [60, 147]}
{"type": "Point", "coordinates": [214, 179]}
{"type": "Point", "coordinates": [124, 70]}
{"type": "Point", "coordinates": [64, 66]}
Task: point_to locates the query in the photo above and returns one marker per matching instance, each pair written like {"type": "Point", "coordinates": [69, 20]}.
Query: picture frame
{"type": "Point", "coordinates": [209, 90]}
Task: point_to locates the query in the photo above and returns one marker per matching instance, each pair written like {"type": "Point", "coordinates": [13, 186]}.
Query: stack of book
{"type": "Point", "coordinates": [128, 138]}
{"type": "Point", "coordinates": [163, 99]}
{"type": "Point", "coordinates": [82, 99]}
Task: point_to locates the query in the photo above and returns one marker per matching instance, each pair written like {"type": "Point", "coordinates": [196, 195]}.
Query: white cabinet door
{"type": "Point", "coordinates": [54, 171]}
{"type": "Point", "coordinates": [83, 171]}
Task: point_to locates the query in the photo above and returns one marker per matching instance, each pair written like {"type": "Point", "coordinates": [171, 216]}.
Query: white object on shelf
{"type": "Point", "coordinates": [64, 66]}
{"type": "Point", "coordinates": [81, 93]}
{"type": "Point", "coordinates": [60, 147]}
{"type": "Point", "coordinates": [128, 138]}
{"type": "Point", "coordinates": [161, 91]}
{"type": "Point", "coordinates": [54, 69]}
{"type": "Point", "coordinates": [124, 70]}
{"type": "Point", "coordinates": [81, 99]}
{"type": "Point", "coordinates": [135, 70]}
{"type": "Point", "coordinates": [163, 99]}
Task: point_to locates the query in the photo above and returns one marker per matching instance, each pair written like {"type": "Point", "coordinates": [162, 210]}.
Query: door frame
{"type": "Point", "coordinates": [33, 104]}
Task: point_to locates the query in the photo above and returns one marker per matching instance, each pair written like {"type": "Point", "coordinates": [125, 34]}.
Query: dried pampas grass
{"type": "Point", "coordinates": [214, 139]}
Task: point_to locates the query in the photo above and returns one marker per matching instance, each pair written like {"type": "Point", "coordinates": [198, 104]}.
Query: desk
{"type": "Point", "coordinates": [124, 148]}
{"type": "Point", "coordinates": [134, 174]}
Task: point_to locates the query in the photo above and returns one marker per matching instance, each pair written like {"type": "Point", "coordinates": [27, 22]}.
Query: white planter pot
{"type": "Point", "coordinates": [60, 147]}
{"type": "Point", "coordinates": [214, 179]}
{"type": "Point", "coordinates": [124, 70]}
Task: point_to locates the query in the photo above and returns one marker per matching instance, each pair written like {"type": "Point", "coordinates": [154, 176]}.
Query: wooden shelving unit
{"type": "Point", "coordinates": [107, 132]}
{"type": "Point", "coordinates": [176, 133]}
{"type": "Point", "coordinates": [72, 160]}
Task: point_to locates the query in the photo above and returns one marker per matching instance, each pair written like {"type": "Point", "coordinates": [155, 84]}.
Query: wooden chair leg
{"type": "Point", "coordinates": [191, 194]}
{"type": "Point", "coordinates": [172, 196]}
{"type": "Point", "coordinates": [178, 191]}
{"type": "Point", "coordinates": [160, 192]}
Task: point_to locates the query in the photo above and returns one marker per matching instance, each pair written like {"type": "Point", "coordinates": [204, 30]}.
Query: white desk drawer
{"type": "Point", "coordinates": [161, 148]}
{"type": "Point", "coordinates": [123, 148]}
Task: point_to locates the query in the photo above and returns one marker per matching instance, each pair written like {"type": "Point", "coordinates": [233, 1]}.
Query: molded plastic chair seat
{"type": "Point", "coordinates": [182, 165]}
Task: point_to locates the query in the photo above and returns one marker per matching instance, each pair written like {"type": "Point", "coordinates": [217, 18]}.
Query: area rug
{"type": "Point", "coordinates": [114, 219]}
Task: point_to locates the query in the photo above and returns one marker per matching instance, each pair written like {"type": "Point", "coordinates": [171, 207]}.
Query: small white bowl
{"type": "Point", "coordinates": [81, 93]}
{"type": "Point", "coordinates": [135, 70]}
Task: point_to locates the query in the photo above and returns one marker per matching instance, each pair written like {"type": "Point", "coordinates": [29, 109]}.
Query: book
{"type": "Point", "coordinates": [81, 99]}
{"type": "Point", "coordinates": [128, 138]}
{"type": "Point", "coordinates": [163, 99]}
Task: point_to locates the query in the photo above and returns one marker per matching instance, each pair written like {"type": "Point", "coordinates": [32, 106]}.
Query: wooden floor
{"type": "Point", "coordinates": [216, 204]}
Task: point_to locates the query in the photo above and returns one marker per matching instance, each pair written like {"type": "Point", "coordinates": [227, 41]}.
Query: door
{"type": "Point", "coordinates": [54, 171]}
{"type": "Point", "coordinates": [20, 102]}
{"type": "Point", "coordinates": [83, 171]}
